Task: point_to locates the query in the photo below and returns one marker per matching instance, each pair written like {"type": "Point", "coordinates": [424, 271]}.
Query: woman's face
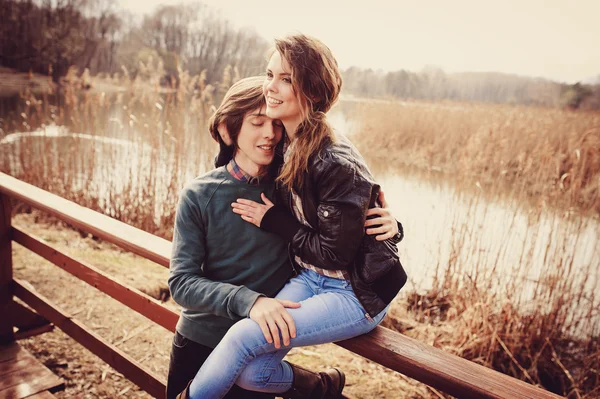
{"type": "Point", "coordinates": [256, 142]}
{"type": "Point", "coordinates": [281, 98]}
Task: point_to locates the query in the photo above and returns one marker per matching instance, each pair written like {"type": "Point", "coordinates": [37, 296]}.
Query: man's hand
{"type": "Point", "coordinates": [271, 316]}
{"type": "Point", "coordinates": [387, 224]}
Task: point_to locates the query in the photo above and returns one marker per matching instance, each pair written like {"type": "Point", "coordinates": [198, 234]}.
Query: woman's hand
{"type": "Point", "coordinates": [388, 226]}
{"type": "Point", "coordinates": [251, 211]}
{"type": "Point", "coordinates": [271, 316]}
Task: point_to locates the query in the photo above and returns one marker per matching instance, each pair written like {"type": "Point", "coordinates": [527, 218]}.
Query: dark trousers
{"type": "Point", "coordinates": [186, 359]}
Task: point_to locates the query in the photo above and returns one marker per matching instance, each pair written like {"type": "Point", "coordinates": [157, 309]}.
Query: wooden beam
{"type": "Point", "coordinates": [127, 237]}
{"type": "Point", "coordinates": [6, 270]}
{"type": "Point", "coordinates": [449, 373]}
{"type": "Point", "coordinates": [27, 322]}
{"type": "Point", "coordinates": [129, 296]}
{"type": "Point", "coordinates": [25, 318]}
{"type": "Point", "coordinates": [116, 358]}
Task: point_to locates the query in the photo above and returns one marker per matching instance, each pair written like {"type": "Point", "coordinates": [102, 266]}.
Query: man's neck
{"type": "Point", "coordinates": [252, 169]}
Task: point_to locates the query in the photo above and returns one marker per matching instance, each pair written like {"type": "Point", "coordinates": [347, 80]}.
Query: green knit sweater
{"type": "Point", "coordinates": [221, 264]}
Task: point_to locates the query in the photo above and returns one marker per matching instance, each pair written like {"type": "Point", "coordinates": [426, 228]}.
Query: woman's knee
{"type": "Point", "coordinates": [252, 378]}
{"type": "Point", "coordinates": [245, 333]}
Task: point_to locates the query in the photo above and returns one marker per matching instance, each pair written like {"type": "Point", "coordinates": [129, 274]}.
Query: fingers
{"type": "Point", "coordinates": [383, 237]}
{"type": "Point", "coordinates": [248, 214]}
{"type": "Point", "coordinates": [274, 332]}
{"type": "Point", "coordinates": [381, 212]}
{"type": "Point", "coordinates": [290, 324]}
{"type": "Point", "coordinates": [376, 221]}
{"type": "Point", "coordinates": [377, 230]}
{"type": "Point", "coordinates": [265, 330]}
{"type": "Point", "coordinates": [289, 304]}
{"type": "Point", "coordinates": [248, 202]}
{"type": "Point", "coordinates": [242, 207]}
{"type": "Point", "coordinates": [382, 200]}
{"type": "Point", "coordinates": [283, 328]}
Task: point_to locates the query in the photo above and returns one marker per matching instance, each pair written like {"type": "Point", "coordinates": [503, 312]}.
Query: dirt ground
{"type": "Point", "coordinates": [87, 376]}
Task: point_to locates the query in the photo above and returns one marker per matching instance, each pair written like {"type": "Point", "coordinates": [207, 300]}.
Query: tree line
{"type": "Point", "coordinates": [434, 84]}
{"type": "Point", "coordinates": [50, 36]}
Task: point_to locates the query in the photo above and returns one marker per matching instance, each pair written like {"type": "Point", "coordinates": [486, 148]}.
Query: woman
{"type": "Point", "coordinates": [222, 268]}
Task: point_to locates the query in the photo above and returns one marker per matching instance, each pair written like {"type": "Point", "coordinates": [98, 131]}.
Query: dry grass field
{"type": "Point", "coordinates": [551, 155]}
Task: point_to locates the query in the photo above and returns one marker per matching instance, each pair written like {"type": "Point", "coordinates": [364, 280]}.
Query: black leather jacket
{"type": "Point", "coordinates": [337, 191]}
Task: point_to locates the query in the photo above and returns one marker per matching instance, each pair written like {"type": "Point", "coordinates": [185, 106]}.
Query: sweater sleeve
{"type": "Point", "coordinates": [189, 286]}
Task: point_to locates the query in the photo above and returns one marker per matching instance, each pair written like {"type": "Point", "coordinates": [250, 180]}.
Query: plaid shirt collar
{"type": "Point", "coordinates": [238, 173]}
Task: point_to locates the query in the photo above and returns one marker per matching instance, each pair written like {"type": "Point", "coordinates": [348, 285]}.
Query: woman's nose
{"type": "Point", "coordinates": [271, 85]}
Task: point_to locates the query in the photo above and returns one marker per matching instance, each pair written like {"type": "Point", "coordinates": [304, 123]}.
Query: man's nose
{"type": "Point", "coordinates": [269, 131]}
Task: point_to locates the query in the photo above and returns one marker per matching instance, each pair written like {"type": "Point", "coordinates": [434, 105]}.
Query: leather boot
{"type": "Point", "coordinates": [307, 384]}
{"type": "Point", "coordinates": [185, 394]}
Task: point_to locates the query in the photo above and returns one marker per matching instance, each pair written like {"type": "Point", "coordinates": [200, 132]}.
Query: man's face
{"type": "Point", "coordinates": [256, 141]}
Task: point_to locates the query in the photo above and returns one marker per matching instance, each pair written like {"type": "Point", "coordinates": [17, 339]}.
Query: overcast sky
{"type": "Point", "coordinates": [555, 39]}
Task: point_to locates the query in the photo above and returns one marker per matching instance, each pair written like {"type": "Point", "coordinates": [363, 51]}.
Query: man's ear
{"type": "Point", "coordinates": [222, 129]}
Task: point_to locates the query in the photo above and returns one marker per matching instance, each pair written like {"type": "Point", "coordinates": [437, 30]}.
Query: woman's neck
{"type": "Point", "coordinates": [291, 126]}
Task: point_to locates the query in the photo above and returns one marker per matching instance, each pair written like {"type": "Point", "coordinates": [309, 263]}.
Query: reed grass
{"type": "Point", "coordinates": [552, 155]}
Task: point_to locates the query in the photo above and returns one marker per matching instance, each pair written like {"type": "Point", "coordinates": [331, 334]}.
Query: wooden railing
{"type": "Point", "coordinates": [445, 372]}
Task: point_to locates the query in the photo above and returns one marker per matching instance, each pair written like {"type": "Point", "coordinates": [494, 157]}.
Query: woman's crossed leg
{"type": "Point", "coordinates": [330, 312]}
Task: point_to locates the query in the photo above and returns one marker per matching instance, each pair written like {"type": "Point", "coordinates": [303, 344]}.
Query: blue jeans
{"type": "Point", "coordinates": [330, 312]}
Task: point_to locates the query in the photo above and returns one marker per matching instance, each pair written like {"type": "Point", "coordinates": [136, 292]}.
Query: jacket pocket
{"type": "Point", "coordinates": [330, 218]}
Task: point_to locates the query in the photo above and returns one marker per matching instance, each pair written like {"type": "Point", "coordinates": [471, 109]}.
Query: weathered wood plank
{"type": "Point", "coordinates": [42, 395]}
{"type": "Point", "coordinates": [10, 351]}
{"type": "Point", "coordinates": [129, 296]}
{"type": "Point", "coordinates": [451, 374]}
{"type": "Point", "coordinates": [128, 237]}
{"type": "Point", "coordinates": [22, 375]}
{"type": "Point", "coordinates": [29, 381]}
{"type": "Point", "coordinates": [116, 358]}
{"type": "Point", "coordinates": [6, 271]}
{"type": "Point", "coordinates": [15, 364]}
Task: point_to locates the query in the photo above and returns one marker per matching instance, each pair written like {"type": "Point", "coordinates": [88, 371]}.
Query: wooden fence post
{"type": "Point", "coordinates": [6, 271]}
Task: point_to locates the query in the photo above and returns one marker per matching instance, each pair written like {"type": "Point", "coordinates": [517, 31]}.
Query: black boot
{"type": "Point", "coordinates": [326, 384]}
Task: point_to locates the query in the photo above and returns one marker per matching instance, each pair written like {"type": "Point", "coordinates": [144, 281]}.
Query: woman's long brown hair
{"type": "Point", "coordinates": [317, 82]}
